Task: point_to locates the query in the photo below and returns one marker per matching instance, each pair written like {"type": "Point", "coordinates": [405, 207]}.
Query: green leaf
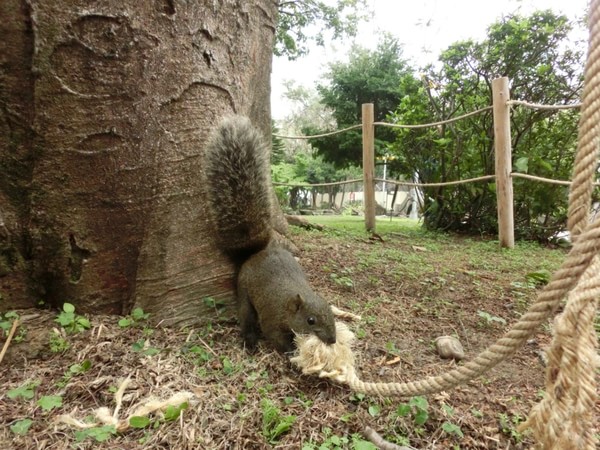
{"type": "Point", "coordinates": [374, 410]}
{"type": "Point", "coordinates": [151, 351]}
{"type": "Point", "coordinates": [65, 319]}
{"type": "Point", "coordinates": [403, 410]}
{"type": "Point", "coordinates": [540, 277]}
{"type": "Point", "coordinates": [173, 412]}
{"type": "Point", "coordinates": [138, 346]}
{"type": "Point", "coordinates": [21, 427]}
{"type": "Point", "coordinates": [125, 322]}
{"type": "Point", "coordinates": [421, 417]}
{"type": "Point", "coordinates": [419, 403]}
{"type": "Point", "coordinates": [139, 314]}
{"type": "Point", "coordinates": [26, 391]}
{"type": "Point", "coordinates": [451, 428]}
{"type": "Point", "coordinates": [360, 444]}
{"type": "Point", "coordinates": [81, 367]}
{"type": "Point", "coordinates": [83, 322]}
{"type": "Point", "coordinates": [68, 308]}
{"type": "Point", "coordinates": [99, 434]}
{"type": "Point", "coordinates": [522, 164]}
{"type": "Point", "coordinates": [49, 402]}
{"type": "Point", "coordinates": [139, 421]}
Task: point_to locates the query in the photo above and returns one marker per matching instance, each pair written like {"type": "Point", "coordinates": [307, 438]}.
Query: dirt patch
{"type": "Point", "coordinates": [407, 292]}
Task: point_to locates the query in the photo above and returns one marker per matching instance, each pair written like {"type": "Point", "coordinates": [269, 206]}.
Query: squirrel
{"type": "Point", "coordinates": [274, 298]}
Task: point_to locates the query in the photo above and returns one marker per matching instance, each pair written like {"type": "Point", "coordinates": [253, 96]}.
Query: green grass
{"type": "Point", "coordinates": [426, 255]}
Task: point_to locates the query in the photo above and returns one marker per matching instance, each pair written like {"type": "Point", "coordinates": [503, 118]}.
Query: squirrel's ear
{"type": "Point", "coordinates": [298, 302]}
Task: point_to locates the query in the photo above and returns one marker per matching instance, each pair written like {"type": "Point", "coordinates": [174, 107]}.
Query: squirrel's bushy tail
{"type": "Point", "coordinates": [238, 184]}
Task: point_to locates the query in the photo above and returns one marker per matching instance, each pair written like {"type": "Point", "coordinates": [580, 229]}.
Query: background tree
{"type": "Point", "coordinates": [301, 165]}
{"type": "Point", "coordinates": [381, 77]}
{"type": "Point", "coordinates": [535, 54]}
{"type": "Point", "coordinates": [339, 19]}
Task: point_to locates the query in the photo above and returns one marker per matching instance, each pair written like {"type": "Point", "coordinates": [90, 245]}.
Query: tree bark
{"type": "Point", "coordinates": [104, 110]}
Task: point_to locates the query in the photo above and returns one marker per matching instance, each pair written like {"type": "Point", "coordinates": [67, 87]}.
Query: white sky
{"type": "Point", "coordinates": [424, 27]}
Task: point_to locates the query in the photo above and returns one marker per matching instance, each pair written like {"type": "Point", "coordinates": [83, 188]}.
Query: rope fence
{"type": "Point", "coordinates": [503, 154]}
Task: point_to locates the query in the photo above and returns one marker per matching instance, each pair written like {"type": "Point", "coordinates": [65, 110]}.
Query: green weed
{"type": "Point", "coordinates": [274, 423]}
{"type": "Point", "coordinates": [71, 322]}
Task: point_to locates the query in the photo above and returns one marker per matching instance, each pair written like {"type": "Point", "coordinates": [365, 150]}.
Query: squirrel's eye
{"type": "Point", "coordinates": [311, 320]}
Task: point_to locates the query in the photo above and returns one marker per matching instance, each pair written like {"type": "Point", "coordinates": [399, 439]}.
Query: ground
{"type": "Point", "coordinates": [410, 287]}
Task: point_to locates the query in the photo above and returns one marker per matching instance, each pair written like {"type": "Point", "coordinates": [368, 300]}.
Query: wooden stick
{"type": "Point", "coordinates": [11, 333]}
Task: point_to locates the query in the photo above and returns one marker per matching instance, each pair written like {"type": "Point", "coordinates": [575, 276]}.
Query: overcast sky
{"type": "Point", "coordinates": [424, 27]}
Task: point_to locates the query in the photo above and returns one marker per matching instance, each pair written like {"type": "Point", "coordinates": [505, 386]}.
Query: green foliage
{"type": "Point", "coordinates": [334, 442]}
{"type": "Point", "coordinates": [509, 425]}
{"type": "Point", "coordinates": [489, 319]}
{"type": "Point", "coordinates": [274, 423]}
{"type": "Point", "coordinates": [296, 17]}
{"type": "Point", "coordinates": [416, 408]}
{"type": "Point", "coordinates": [21, 427]}
{"type": "Point", "coordinates": [6, 321]}
{"type": "Point", "coordinates": [139, 421]}
{"type": "Point", "coordinates": [173, 412]}
{"type": "Point", "coordinates": [71, 322]}
{"type": "Point", "coordinates": [49, 402]}
{"type": "Point", "coordinates": [381, 77]}
{"type": "Point", "coordinates": [543, 67]}
{"type": "Point", "coordinates": [143, 346]}
{"type": "Point", "coordinates": [26, 391]}
{"type": "Point", "coordinates": [98, 434]}
{"type": "Point", "coordinates": [539, 278]}
{"type": "Point", "coordinates": [58, 343]}
{"type": "Point", "coordinates": [74, 370]}
{"type": "Point", "coordinates": [137, 315]}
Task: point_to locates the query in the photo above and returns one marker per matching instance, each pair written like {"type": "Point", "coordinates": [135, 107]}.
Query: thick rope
{"type": "Point", "coordinates": [565, 417]}
{"type": "Point", "coordinates": [589, 126]}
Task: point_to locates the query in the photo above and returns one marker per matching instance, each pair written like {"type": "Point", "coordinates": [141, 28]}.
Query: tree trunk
{"type": "Point", "coordinates": [104, 110]}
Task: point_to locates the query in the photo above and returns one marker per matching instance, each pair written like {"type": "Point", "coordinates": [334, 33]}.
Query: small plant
{"type": "Point", "coordinates": [489, 319]}
{"type": "Point", "coordinates": [6, 323]}
{"type": "Point", "coordinates": [49, 402]}
{"type": "Point", "coordinates": [98, 434]}
{"type": "Point", "coordinates": [452, 428]}
{"type": "Point", "coordinates": [539, 278]}
{"type": "Point", "coordinates": [74, 370]}
{"type": "Point", "coordinates": [143, 346]}
{"type": "Point", "coordinates": [58, 343]}
{"type": "Point", "coordinates": [25, 391]}
{"type": "Point", "coordinates": [172, 412]}
{"type": "Point", "coordinates": [343, 281]}
{"type": "Point", "coordinates": [509, 425]}
{"type": "Point", "coordinates": [71, 322]}
{"type": "Point", "coordinates": [217, 305]}
{"type": "Point", "coordinates": [416, 408]}
{"type": "Point", "coordinates": [21, 427]}
{"type": "Point", "coordinates": [137, 315]}
{"type": "Point", "coordinates": [331, 442]}
{"type": "Point", "coordinates": [274, 423]}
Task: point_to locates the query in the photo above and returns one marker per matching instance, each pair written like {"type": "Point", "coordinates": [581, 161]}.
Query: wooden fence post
{"type": "Point", "coordinates": [502, 145]}
{"type": "Point", "coordinates": [368, 141]}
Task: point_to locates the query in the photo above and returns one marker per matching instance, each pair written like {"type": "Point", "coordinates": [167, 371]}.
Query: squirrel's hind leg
{"type": "Point", "coordinates": [249, 327]}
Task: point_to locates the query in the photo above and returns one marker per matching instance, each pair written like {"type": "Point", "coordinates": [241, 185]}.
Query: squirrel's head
{"type": "Point", "coordinates": [313, 317]}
